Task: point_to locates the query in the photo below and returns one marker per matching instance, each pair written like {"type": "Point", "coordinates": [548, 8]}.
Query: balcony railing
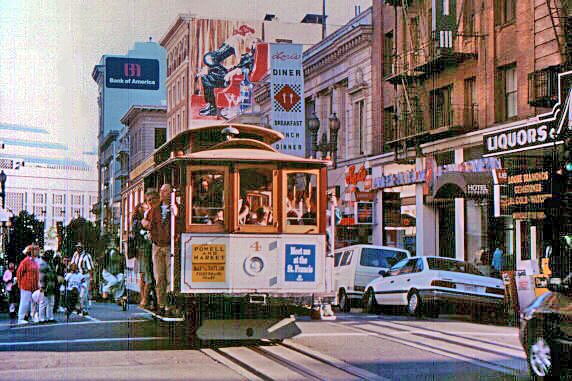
{"type": "Point", "coordinates": [543, 87]}
{"type": "Point", "coordinates": [456, 117]}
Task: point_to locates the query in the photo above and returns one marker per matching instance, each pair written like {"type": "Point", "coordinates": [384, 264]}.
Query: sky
{"type": "Point", "coordinates": [48, 49]}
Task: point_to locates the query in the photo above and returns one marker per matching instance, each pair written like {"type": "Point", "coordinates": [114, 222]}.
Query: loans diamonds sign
{"type": "Point", "coordinates": [287, 95]}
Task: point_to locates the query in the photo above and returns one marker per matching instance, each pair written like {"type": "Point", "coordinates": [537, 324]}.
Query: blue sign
{"type": "Point", "coordinates": [300, 263]}
{"type": "Point", "coordinates": [132, 73]}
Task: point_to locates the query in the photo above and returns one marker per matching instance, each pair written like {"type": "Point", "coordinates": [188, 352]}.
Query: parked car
{"type": "Point", "coordinates": [355, 266]}
{"type": "Point", "coordinates": [546, 335]}
{"type": "Point", "coordinates": [423, 283]}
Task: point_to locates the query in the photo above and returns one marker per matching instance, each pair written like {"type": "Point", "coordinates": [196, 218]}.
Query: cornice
{"type": "Point", "coordinates": [359, 37]}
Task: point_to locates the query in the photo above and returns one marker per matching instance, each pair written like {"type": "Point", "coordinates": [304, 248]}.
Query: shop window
{"type": "Point", "coordinates": [207, 197]}
{"type": "Point", "coordinates": [301, 201]}
{"type": "Point", "coordinates": [256, 206]}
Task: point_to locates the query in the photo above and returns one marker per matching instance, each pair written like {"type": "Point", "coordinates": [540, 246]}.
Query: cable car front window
{"type": "Point", "coordinates": [301, 202]}
{"type": "Point", "coordinates": [207, 197]}
{"type": "Point", "coordinates": [255, 202]}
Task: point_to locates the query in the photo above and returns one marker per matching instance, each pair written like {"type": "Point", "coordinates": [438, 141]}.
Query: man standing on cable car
{"type": "Point", "coordinates": [158, 221]}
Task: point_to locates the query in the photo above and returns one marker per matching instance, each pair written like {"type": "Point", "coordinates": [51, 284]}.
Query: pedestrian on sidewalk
{"type": "Point", "coordinates": [60, 271]}
{"type": "Point", "coordinates": [28, 277]}
{"type": "Point", "coordinates": [143, 257]}
{"type": "Point", "coordinates": [84, 263]}
{"type": "Point", "coordinates": [498, 260]}
{"type": "Point", "coordinates": [76, 287]}
{"type": "Point", "coordinates": [9, 279]}
{"type": "Point", "coordinates": [47, 284]}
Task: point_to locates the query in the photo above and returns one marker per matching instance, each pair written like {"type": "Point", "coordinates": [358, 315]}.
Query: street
{"type": "Point", "coordinates": [112, 344]}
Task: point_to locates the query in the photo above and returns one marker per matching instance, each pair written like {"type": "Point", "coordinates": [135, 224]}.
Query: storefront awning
{"type": "Point", "coordinates": [469, 185]}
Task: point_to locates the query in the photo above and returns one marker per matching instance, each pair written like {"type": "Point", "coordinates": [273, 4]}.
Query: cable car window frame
{"type": "Point", "coordinates": [301, 229]}
{"type": "Point", "coordinates": [214, 228]}
{"type": "Point", "coordinates": [254, 228]}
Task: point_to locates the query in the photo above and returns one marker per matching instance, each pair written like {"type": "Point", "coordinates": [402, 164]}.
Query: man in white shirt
{"type": "Point", "coordinates": [84, 262]}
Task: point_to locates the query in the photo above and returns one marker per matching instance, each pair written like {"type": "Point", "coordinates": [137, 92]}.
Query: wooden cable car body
{"type": "Point", "coordinates": [252, 243]}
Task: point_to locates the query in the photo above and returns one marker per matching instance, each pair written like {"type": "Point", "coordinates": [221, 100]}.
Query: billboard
{"type": "Point", "coordinates": [287, 97]}
{"type": "Point", "coordinates": [132, 73]}
{"type": "Point", "coordinates": [227, 59]}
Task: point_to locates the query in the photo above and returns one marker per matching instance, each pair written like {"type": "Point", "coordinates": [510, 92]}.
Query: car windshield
{"type": "Point", "coordinates": [444, 264]}
{"type": "Point", "coordinates": [373, 257]}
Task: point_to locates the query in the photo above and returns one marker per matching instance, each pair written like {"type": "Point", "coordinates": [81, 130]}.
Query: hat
{"type": "Point", "coordinates": [78, 244]}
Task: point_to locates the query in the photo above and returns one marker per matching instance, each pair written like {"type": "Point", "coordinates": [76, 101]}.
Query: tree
{"type": "Point", "coordinates": [88, 233]}
{"type": "Point", "coordinates": [25, 229]}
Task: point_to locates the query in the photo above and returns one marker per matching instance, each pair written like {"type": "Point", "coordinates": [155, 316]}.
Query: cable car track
{"type": "Point", "coordinates": [286, 361]}
{"type": "Point", "coordinates": [472, 350]}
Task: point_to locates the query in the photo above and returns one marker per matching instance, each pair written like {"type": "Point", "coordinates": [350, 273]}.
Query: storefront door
{"type": "Point", "coordinates": [446, 211]}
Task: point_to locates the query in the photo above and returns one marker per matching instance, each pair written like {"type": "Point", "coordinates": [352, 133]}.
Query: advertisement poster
{"type": "Point", "coordinates": [131, 73]}
{"type": "Point", "coordinates": [287, 97]}
{"type": "Point", "coordinates": [229, 58]}
{"type": "Point", "coordinates": [300, 263]}
{"type": "Point", "coordinates": [209, 263]}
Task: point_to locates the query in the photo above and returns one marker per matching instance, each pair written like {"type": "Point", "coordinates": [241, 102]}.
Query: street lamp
{"type": "Point", "coordinates": [325, 146]}
{"type": "Point", "coordinates": [3, 185]}
{"type": "Point", "coordinates": [314, 126]}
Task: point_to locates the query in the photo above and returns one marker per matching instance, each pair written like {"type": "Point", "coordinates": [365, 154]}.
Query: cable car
{"type": "Point", "coordinates": [252, 220]}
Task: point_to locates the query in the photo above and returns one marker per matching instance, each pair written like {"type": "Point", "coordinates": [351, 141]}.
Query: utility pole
{"type": "Point", "coordinates": [323, 19]}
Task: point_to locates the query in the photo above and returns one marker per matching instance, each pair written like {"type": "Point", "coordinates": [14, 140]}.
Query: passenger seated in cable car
{"type": "Point", "coordinates": [263, 216]}
{"type": "Point", "coordinates": [207, 199]}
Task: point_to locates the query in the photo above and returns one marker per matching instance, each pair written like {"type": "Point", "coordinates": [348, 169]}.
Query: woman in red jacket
{"type": "Point", "coordinates": [28, 277]}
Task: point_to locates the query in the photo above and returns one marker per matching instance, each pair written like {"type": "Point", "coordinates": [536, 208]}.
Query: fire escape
{"type": "Point", "coordinates": [419, 53]}
{"type": "Point", "coordinates": [552, 51]}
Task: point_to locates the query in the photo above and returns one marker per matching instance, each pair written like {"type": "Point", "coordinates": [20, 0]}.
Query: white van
{"type": "Point", "coordinates": [355, 266]}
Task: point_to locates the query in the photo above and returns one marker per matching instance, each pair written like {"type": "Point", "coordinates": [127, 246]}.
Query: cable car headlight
{"type": "Point", "coordinates": [253, 265]}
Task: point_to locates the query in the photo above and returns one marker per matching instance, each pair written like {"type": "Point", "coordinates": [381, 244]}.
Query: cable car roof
{"type": "Point", "coordinates": [250, 154]}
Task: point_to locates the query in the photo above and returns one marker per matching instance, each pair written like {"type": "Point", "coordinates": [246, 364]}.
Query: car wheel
{"type": "Point", "coordinates": [370, 304]}
{"type": "Point", "coordinates": [343, 301]}
{"type": "Point", "coordinates": [541, 359]}
{"type": "Point", "coordinates": [414, 303]}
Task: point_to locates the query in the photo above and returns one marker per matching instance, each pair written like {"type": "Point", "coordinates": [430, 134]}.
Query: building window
{"type": "Point", "coordinates": [58, 199]}
{"type": "Point", "coordinates": [440, 106]}
{"type": "Point", "coordinates": [505, 11]}
{"type": "Point", "coordinates": [469, 17]}
{"type": "Point", "coordinates": [470, 109]}
{"type": "Point", "coordinates": [388, 67]}
{"type": "Point", "coordinates": [183, 89]}
{"type": "Point", "coordinates": [506, 87]}
{"type": "Point", "coordinates": [160, 137]}
{"type": "Point", "coordinates": [389, 131]}
{"type": "Point", "coordinates": [38, 198]}
{"type": "Point", "coordinates": [360, 126]}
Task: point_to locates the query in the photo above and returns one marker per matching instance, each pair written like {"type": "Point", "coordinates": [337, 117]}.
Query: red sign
{"type": "Point", "coordinates": [353, 177]}
{"type": "Point", "coordinates": [287, 98]}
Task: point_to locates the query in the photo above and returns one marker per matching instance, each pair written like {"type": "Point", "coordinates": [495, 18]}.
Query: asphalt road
{"type": "Point", "coordinates": [112, 344]}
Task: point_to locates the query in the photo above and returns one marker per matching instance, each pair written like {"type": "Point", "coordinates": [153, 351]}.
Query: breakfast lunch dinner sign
{"type": "Point", "coordinates": [287, 95]}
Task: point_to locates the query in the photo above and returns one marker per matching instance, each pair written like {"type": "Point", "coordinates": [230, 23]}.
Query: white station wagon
{"type": "Point", "coordinates": [423, 283]}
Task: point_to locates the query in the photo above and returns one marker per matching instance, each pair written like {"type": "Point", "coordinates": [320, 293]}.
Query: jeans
{"type": "Point", "coordinates": [25, 304]}
{"type": "Point", "coordinates": [85, 293]}
{"type": "Point", "coordinates": [47, 308]}
{"type": "Point", "coordinates": [161, 270]}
